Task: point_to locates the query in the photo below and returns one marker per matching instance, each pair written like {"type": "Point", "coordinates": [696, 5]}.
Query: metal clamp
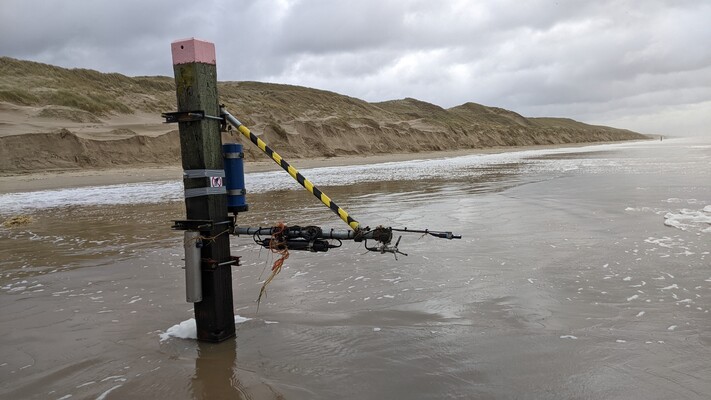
{"type": "Point", "coordinates": [204, 191]}
{"type": "Point", "coordinates": [237, 192]}
{"type": "Point", "coordinates": [203, 173]}
{"type": "Point", "coordinates": [187, 116]}
{"type": "Point", "coordinates": [234, 260]}
{"type": "Point", "coordinates": [192, 224]}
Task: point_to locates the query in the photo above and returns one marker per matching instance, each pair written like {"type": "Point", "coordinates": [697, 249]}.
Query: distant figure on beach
{"type": "Point", "coordinates": [661, 137]}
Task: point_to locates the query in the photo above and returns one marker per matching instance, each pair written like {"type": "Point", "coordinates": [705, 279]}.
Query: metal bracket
{"type": "Point", "coordinates": [233, 155]}
{"type": "Point", "coordinates": [234, 260]}
{"type": "Point", "coordinates": [204, 191]}
{"type": "Point", "coordinates": [237, 192]}
{"type": "Point", "coordinates": [187, 116]}
{"type": "Point", "coordinates": [203, 173]}
{"type": "Point", "coordinates": [197, 224]}
{"type": "Point", "coordinates": [192, 225]}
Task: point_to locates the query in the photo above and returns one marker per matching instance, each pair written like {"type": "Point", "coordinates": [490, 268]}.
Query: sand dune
{"type": "Point", "coordinates": [56, 119]}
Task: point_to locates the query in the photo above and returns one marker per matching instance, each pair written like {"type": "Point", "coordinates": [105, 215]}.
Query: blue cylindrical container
{"type": "Point", "coordinates": [234, 177]}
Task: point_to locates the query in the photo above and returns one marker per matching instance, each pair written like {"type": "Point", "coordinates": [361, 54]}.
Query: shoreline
{"type": "Point", "coordinates": [62, 179]}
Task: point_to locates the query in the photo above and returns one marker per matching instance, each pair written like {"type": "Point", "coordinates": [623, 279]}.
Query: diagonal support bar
{"type": "Point", "coordinates": [355, 225]}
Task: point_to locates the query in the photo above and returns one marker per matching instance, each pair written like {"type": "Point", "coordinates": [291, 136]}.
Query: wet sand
{"type": "Point", "coordinates": [580, 275]}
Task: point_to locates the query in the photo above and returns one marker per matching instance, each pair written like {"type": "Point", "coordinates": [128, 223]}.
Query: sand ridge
{"type": "Point", "coordinates": [57, 119]}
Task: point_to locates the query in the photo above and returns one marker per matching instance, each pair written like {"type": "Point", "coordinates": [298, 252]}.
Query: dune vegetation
{"type": "Point", "coordinates": [80, 110]}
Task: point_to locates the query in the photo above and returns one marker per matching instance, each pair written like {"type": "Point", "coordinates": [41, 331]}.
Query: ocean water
{"type": "Point", "coordinates": [582, 273]}
{"type": "Point", "coordinates": [171, 190]}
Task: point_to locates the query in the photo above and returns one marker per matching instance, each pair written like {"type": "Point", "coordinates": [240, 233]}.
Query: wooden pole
{"type": "Point", "coordinates": [201, 149]}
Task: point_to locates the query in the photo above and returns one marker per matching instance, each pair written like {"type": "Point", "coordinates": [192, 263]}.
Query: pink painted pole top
{"type": "Point", "coordinates": [193, 50]}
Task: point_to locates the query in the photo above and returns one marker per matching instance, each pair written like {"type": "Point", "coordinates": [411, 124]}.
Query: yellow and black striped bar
{"type": "Point", "coordinates": [291, 170]}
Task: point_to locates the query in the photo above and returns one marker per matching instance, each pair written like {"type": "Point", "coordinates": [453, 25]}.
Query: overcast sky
{"type": "Point", "coordinates": [642, 65]}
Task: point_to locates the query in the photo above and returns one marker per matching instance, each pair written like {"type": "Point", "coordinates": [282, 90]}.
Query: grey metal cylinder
{"type": "Point", "coordinates": [193, 277]}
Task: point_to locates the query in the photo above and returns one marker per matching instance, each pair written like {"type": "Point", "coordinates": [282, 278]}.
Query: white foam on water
{"type": "Point", "coordinates": [673, 286]}
{"type": "Point", "coordinates": [188, 329]}
{"type": "Point", "coordinates": [689, 220]}
{"type": "Point", "coordinates": [102, 396]}
{"type": "Point", "coordinates": [671, 328]}
{"type": "Point", "coordinates": [633, 297]}
{"type": "Point", "coordinates": [641, 313]}
{"type": "Point", "coordinates": [115, 377]}
{"type": "Point", "coordinates": [172, 190]}
{"type": "Point", "coordinates": [661, 242]}
{"type": "Point", "coordinates": [568, 337]}
{"type": "Point", "coordinates": [640, 209]}
{"type": "Point", "coordinates": [151, 192]}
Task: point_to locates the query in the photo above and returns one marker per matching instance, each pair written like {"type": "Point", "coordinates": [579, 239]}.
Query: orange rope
{"type": "Point", "coordinates": [277, 246]}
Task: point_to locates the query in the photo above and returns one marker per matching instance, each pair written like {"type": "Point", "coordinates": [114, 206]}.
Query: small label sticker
{"type": "Point", "coordinates": [215, 181]}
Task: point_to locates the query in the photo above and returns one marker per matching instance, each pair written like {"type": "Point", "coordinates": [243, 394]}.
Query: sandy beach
{"type": "Point", "coordinates": [63, 134]}
{"type": "Point", "coordinates": [11, 183]}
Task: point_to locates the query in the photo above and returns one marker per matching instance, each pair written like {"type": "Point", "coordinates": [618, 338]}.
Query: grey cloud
{"type": "Point", "coordinates": [107, 35]}
{"type": "Point", "coordinates": [595, 60]}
